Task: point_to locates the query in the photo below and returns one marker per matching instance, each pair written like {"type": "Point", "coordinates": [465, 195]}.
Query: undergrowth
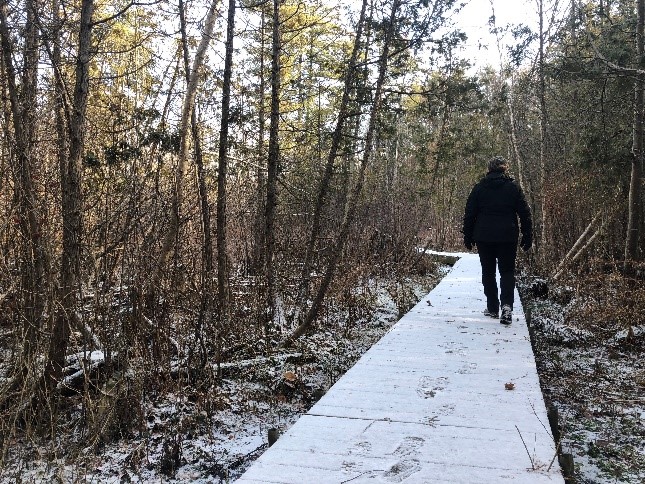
{"type": "Point", "coordinates": [147, 420]}
{"type": "Point", "coordinates": [589, 341]}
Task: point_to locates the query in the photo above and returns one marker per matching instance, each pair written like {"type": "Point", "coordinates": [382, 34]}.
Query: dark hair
{"type": "Point", "coordinates": [497, 164]}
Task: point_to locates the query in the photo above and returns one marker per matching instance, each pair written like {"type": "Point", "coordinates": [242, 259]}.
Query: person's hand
{"type": "Point", "coordinates": [468, 243]}
{"type": "Point", "coordinates": [526, 243]}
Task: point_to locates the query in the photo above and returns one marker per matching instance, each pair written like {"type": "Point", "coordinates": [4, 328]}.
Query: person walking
{"type": "Point", "coordinates": [491, 223]}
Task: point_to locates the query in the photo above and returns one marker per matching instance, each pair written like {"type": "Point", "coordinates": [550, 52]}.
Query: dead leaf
{"type": "Point", "coordinates": [602, 443]}
{"type": "Point", "coordinates": [509, 386]}
{"type": "Point", "coordinates": [290, 376]}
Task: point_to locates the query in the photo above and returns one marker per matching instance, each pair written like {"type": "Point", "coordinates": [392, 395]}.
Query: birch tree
{"type": "Point", "coordinates": [207, 244]}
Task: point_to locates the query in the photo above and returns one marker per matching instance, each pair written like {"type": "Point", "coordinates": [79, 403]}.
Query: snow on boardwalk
{"type": "Point", "coordinates": [427, 404]}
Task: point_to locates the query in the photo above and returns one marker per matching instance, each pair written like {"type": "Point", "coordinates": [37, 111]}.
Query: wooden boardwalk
{"type": "Point", "coordinates": [428, 404]}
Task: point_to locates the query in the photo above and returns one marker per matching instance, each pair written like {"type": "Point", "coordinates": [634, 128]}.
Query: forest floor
{"type": "Point", "coordinates": [591, 369]}
{"type": "Point", "coordinates": [211, 435]}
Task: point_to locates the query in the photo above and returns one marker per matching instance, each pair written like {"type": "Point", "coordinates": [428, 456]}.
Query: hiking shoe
{"type": "Point", "coordinates": [507, 315]}
{"type": "Point", "coordinates": [491, 314]}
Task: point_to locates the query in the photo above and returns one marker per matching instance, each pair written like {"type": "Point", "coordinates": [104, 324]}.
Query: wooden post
{"type": "Point", "coordinates": [565, 459]}
{"type": "Point", "coordinates": [552, 414]}
{"type": "Point", "coordinates": [273, 436]}
{"type": "Point", "coordinates": [568, 468]}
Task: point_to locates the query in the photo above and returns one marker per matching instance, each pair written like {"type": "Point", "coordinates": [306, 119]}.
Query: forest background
{"type": "Point", "coordinates": [185, 184]}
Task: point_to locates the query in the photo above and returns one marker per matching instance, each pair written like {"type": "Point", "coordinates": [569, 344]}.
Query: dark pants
{"type": "Point", "coordinates": [491, 256]}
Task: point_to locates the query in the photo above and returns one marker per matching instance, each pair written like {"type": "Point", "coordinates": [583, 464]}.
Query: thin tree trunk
{"type": "Point", "coordinates": [572, 22]}
{"type": "Point", "coordinates": [439, 144]}
{"type": "Point", "coordinates": [207, 239]}
{"type": "Point", "coordinates": [576, 247]}
{"type": "Point", "coordinates": [421, 219]}
{"type": "Point", "coordinates": [32, 294]}
{"type": "Point", "coordinates": [350, 76]}
{"type": "Point", "coordinates": [635, 195]}
{"type": "Point", "coordinates": [543, 123]}
{"type": "Point", "coordinates": [72, 202]}
{"type": "Point", "coordinates": [352, 203]}
{"type": "Point", "coordinates": [207, 249]}
{"type": "Point", "coordinates": [222, 269]}
{"type": "Point", "coordinates": [258, 257]}
{"type": "Point", "coordinates": [33, 278]}
{"type": "Point", "coordinates": [272, 165]}
{"type": "Point", "coordinates": [180, 173]}
{"type": "Point", "coordinates": [515, 142]}
{"type": "Point", "coordinates": [585, 244]}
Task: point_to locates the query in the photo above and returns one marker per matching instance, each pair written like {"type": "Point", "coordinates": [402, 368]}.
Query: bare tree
{"type": "Point", "coordinates": [323, 189]}
{"type": "Point", "coordinates": [635, 186]}
{"type": "Point", "coordinates": [222, 265]}
{"type": "Point", "coordinates": [205, 310]}
{"type": "Point", "coordinates": [352, 203]}
{"type": "Point", "coordinates": [180, 173]}
{"type": "Point", "coordinates": [22, 100]}
{"type": "Point", "coordinates": [272, 165]}
{"type": "Point", "coordinates": [259, 249]}
{"type": "Point", "coordinates": [543, 124]}
{"type": "Point", "coordinates": [72, 204]}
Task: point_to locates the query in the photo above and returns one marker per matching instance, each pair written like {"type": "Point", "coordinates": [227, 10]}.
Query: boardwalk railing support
{"type": "Point", "coordinates": [552, 414]}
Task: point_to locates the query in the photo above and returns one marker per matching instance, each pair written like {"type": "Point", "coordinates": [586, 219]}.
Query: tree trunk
{"type": "Point", "coordinates": [72, 203]}
{"type": "Point", "coordinates": [272, 166]}
{"type": "Point", "coordinates": [352, 203]}
{"type": "Point", "coordinates": [635, 195]}
{"type": "Point", "coordinates": [180, 173]}
{"type": "Point", "coordinates": [515, 141]}
{"type": "Point", "coordinates": [259, 249]}
{"type": "Point", "coordinates": [222, 269]}
{"type": "Point", "coordinates": [543, 122]}
{"type": "Point", "coordinates": [207, 248]}
{"type": "Point", "coordinates": [22, 103]}
{"type": "Point", "coordinates": [350, 76]}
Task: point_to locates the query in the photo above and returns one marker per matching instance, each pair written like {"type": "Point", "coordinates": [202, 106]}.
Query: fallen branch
{"type": "Point", "coordinates": [527, 449]}
{"type": "Point", "coordinates": [169, 338]}
{"type": "Point", "coordinates": [575, 250]}
{"type": "Point", "coordinates": [259, 360]}
{"type": "Point", "coordinates": [583, 244]}
{"type": "Point", "coordinates": [227, 368]}
{"type": "Point", "coordinates": [81, 366]}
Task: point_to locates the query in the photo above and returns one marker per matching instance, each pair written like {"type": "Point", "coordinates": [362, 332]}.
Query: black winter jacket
{"type": "Point", "coordinates": [492, 210]}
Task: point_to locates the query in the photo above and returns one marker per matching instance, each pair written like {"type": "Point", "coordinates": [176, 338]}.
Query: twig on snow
{"type": "Point", "coordinates": [527, 449]}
